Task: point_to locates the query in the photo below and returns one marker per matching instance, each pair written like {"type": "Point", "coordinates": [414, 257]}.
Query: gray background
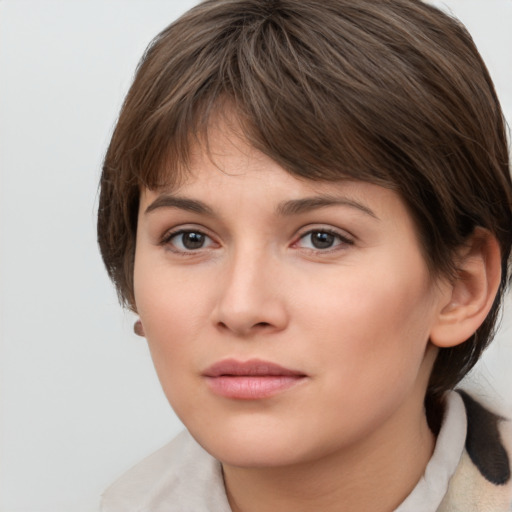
{"type": "Point", "coordinates": [79, 402]}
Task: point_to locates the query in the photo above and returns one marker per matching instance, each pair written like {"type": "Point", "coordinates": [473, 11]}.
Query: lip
{"type": "Point", "coordinates": [250, 380]}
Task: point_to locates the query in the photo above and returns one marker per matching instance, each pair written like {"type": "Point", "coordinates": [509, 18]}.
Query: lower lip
{"type": "Point", "coordinates": [252, 387]}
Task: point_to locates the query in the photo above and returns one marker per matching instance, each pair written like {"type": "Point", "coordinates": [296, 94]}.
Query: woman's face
{"type": "Point", "coordinates": [287, 319]}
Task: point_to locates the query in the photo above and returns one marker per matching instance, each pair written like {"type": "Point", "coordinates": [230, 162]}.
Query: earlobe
{"type": "Point", "coordinates": [470, 297]}
{"type": "Point", "coordinates": [138, 328]}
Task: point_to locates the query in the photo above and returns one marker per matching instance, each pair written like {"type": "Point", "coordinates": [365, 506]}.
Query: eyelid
{"type": "Point", "coordinates": [344, 237]}
{"type": "Point", "coordinates": [165, 239]}
{"type": "Point", "coordinates": [186, 227]}
{"type": "Point", "coordinates": [326, 228]}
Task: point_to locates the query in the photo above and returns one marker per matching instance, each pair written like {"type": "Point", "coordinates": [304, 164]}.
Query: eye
{"type": "Point", "coordinates": [188, 240]}
{"type": "Point", "coordinates": [322, 239]}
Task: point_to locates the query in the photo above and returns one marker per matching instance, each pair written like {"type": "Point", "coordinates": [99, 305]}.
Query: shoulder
{"type": "Point", "coordinates": [482, 480]}
{"type": "Point", "coordinates": [180, 476]}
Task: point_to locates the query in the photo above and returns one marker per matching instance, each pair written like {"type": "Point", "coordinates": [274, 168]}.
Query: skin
{"type": "Point", "coordinates": [354, 318]}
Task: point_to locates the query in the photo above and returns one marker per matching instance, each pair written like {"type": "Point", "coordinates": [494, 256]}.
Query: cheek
{"type": "Point", "coordinates": [373, 326]}
{"type": "Point", "coordinates": [167, 296]}
{"type": "Point", "coordinates": [171, 314]}
{"type": "Point", "coordinates": [369, 338]}
{"type": "Point", "coordinates": [172, 322]}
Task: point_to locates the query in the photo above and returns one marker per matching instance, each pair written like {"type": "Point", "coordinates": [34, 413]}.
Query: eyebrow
{"type": "Point", "coordinates": [306, 204]}
{"type": "Point", "coordinates": [183, 203]}
{"type": "Point", "coordinates": [286, 208]}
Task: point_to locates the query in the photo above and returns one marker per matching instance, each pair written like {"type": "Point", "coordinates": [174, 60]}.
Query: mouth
{"type": "Point", "coordinates": [250, 380]}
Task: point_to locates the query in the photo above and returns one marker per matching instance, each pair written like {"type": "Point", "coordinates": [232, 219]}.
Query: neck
{"type": "Point", "coordinates": [376, 474]}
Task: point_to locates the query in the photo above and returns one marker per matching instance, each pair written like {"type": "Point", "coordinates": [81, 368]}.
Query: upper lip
{"type": "Point", "coordinates": [251, 368]}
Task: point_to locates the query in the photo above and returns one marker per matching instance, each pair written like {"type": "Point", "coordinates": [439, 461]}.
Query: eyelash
{"type": "Point", "coordinates": [168, 237]}
{"type": "Point", "coordinates": [342, 241]}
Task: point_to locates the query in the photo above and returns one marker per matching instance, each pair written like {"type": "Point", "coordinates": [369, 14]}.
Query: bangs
{"type": "Point", "coordinates": [321, 108]}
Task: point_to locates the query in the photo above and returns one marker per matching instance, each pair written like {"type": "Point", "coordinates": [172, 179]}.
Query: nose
{"type": "Point", "coordinates": [251, 296]}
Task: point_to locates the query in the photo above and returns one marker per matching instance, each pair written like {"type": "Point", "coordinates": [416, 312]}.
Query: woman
{"type": "Point", "coordinates": [308, 204]}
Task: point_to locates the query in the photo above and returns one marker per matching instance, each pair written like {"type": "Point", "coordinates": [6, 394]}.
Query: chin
{"type": "Point", "coordinates": [251, 448]}
{"type": "Point", "coordinates": [255, 456]}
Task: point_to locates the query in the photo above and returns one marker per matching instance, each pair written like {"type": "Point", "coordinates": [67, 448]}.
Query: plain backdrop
{"type": "Point", "coordinates": [79, 401]}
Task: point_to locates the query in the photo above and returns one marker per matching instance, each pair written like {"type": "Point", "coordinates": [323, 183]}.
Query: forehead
{"type": "Point", "coordinates": [225, 174]}
{"type": "Point", "coordinates": [224, 150]}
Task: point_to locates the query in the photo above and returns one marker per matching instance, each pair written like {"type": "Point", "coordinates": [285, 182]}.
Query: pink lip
{"type": "Point", "coordinates": [250, 380]}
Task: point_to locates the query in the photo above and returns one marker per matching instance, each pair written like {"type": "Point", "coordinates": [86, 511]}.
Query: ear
{"type": "Point", "coordinates": [138, 328]}
{"type": "Point", "coordinates": [469, 298]}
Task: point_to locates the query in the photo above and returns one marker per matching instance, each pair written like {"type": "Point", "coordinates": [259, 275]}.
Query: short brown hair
{"type": "Point", "coordinates": [392, 92]}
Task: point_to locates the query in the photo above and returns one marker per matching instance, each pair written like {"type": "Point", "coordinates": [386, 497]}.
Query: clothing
{"type": "Point", "coordinates": [469, 471]}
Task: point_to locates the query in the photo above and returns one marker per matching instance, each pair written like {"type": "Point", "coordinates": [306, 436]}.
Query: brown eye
{"type": "Point", "coordinates": [193, 240]}
{"type": "Point", "coordinates": [319, 239]}
{"type": "Point", "coordinates": [322, 240]}
{"type": "Point", "coordinates": [188, 240]}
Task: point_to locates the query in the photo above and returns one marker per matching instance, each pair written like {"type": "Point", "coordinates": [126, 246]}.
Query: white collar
{"type": "Point", "coordinates": [430, 490]}
{"type": "Point", "coordinates": [183, 477]}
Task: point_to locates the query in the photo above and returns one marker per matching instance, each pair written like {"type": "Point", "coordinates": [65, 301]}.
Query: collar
{"type": "Point", "coordinates": [183, 477]}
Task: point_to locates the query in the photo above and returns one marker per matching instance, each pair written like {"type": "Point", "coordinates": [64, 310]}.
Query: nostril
{"type": "Point", "coordinates": [262, 324]}
{"type": "Point", "coordinates": [259, 325]}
